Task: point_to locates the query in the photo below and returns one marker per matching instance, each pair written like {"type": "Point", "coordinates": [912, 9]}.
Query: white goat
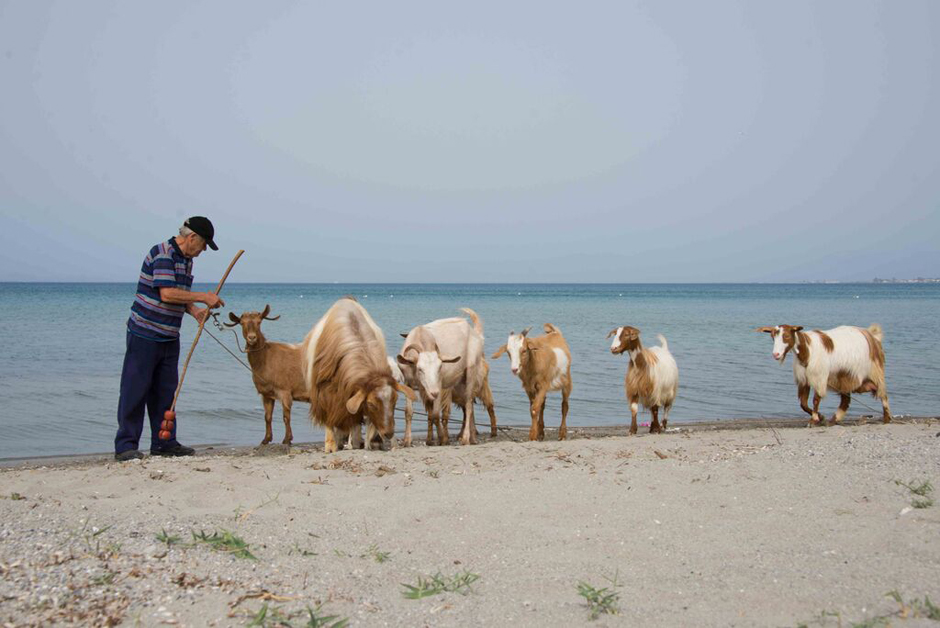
{"type": "Point", "coordinates": [845, 360]}
{"type": "Point", "coordinates": [444, 361]}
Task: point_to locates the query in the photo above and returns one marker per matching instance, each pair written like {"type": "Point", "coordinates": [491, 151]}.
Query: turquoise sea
{"type": "Point", "coordinates": [64, 343]}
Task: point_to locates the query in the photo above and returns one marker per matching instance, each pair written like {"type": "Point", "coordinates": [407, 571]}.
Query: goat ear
{"type": "Point", "coordinates": [612, 332]}
{"type": "Point", "coordinates": [450, 360]}
{"type": "Point", "coordinates": [525, 332]}
{"type": "Point", "coordinates": [355, 402]}
{"type": "Point", "coordinates": [766, 330]}
{"type": "Point", "coordinates": [236, 320]}
{"type": "Point", "coordinates": [796, 328]}
{"type": "Point", "coordinates": [403, 335]}
{"type": "Point", "coordinates": [403, 360]}
{"type": "Point", "coordinates": [406, 391]}
{"type": "Point", "coordinates": [499, 352]}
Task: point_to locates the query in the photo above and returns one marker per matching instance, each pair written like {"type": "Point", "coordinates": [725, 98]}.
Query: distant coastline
{"type": "Point", "coordinates": [879, 280]}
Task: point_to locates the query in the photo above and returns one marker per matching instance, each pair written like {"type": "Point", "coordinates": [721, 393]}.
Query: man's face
{"type": "Point", "coordinates": [192, 245]}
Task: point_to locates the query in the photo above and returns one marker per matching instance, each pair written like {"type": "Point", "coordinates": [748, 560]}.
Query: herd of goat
{"type": "Point", "coordinates": [343, 371]}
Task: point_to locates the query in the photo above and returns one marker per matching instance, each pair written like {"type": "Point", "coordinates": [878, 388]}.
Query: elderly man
{"type": "Point", "coordinates": [151, 361]}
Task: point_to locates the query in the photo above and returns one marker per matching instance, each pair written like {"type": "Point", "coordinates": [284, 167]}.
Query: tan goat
{"type": "Point", "coordinates": [543, 364]}
{"type": "Point", "coordinates": [276, 369]}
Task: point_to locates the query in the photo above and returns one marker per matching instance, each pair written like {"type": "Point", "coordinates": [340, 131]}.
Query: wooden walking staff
{"type": "Point", "coordinates": [169, 417]}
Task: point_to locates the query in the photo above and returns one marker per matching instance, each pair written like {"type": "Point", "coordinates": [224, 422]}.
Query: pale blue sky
{"type": "Point", "coordinates": [590, 142]}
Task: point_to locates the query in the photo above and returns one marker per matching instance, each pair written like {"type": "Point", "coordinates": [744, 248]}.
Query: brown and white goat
{"type": "Point", "coordinates": [276, 369]}
{"type": "Point", "coordinates": [444, 361]}
{"type": "Point", "coordinates": [348, 378]}
{"type": "Point", "coordinates": [652, 376]}
{"type": "Point", "coordinates": [543, 364]}
{"type": "Point", "coordinates": [844, 360]}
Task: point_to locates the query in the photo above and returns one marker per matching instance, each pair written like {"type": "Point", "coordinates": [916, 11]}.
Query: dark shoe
{"type": "Point", "coordinates": [130, 454]}
{"type": "Point", "coordinates": [174, 451]}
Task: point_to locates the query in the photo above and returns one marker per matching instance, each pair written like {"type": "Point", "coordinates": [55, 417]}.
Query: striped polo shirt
{"type": "Point", "coordinates": [164, 267]}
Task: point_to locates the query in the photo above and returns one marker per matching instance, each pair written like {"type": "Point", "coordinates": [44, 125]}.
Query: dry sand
{"type": "Point", "coordinates": [703, 527]}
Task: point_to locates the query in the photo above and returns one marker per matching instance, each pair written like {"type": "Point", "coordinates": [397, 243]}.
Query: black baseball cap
{"type": "Point", "coordinates": [203, 226]}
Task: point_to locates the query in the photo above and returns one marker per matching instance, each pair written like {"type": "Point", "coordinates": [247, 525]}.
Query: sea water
{"type": "Point", "coordinates": [63, 347]}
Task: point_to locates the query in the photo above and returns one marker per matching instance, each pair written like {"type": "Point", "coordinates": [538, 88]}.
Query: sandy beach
{"type": "Point", "coordinates": [700, 526]}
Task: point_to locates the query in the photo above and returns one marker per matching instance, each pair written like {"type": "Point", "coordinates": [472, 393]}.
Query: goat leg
{"type": "Point", "coordinates": [370, 434]}
{"type": "Point", "coordinates": [634, 407]}
{"type": "Point", "coordinates": [542, 421]}
{"type": "Point", "coordinates": [886, 411]}
{"type": "Point", "coordinates": [563, 429]}
{"type": "Point", "coordinates": [803, 392]}
{"type": "Point", "coordinates": [268, 417]}
{"type": "Point", "coordinates": [430, 440]}
{"type": "Point", "coordinates": [409, 413]}
{"type": "Point", "coordinates": [288, 435]}
{"type": "Point", "coordinates": [329, 441]}
{"type": "Point", "coordinates": [443, 423]}
{"type": "Point", "coordinates": [844, 401]}
{"type": "Point", "coordinates": [654, 424]}
{"type": "Point", "coordinates": [467, 433]}
{"type": "Point", "coordinates": [817, 418]}
{"type": "Point", "coordinates": [537, 404]}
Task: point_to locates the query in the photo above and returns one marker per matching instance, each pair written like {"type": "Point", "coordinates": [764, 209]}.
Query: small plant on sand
{"type": "Point", "coordinates": [268, 616]}
{"type": "Point", "coordinates": [224, 541]}
{"type": "Point", "coordinates": [104, 579]}
{"type": "Point", "coordinates": [599, 601]}
{"type": "Point", "coordinates": [377, 556]}
{"type": "Point", "coordinates": [315, 620]}
{"type": "Point", "coordinates": [921, 492]}
{"type": "Point", "coordinates": [169, 539]}
{"type": "Point", "coordinates": [916, 607]}
{"type": "Point", "coordinates": [438, 583]}
{"type": "Point", "coordinates": [91, 537]}
{"type": "Point", "coordinates": [16, 497]}
{"type": "Point", "coordinates": [297, 549]}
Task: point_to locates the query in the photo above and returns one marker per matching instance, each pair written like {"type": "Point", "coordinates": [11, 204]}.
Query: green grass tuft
{"type": "Point", "coordinates": [226, 542]}
{"type": "Point", "coordinates": [169, 539]}
{"type": "Point", "coordinates": [377, 556]}
{"type": "Point", "coordinates": [599, 601]}
{"type": "Point", "coordinates": [327, 621]}
{"type": "Point", "coordinates": [438, 583]}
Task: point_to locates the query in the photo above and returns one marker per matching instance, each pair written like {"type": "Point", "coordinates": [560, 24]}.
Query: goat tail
{"type": "Point", "coordinates": [875, 330]}
{"type": "Point", "coordinates": [662, 342]}
{"type": "Point", "coordinates": [477, 323]}
{"type": "Point", "coordinates": [550, 329]}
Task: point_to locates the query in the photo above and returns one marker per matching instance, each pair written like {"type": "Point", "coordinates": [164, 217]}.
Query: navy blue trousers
{"type": "Point", "coordinates": [148, 379]}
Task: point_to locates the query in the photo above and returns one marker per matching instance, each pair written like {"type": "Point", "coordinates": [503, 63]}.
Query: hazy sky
{"type": "Point", "coordinates": [491, 142]}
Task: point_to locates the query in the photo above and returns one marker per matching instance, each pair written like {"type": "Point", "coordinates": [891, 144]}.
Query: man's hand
{"type": "Point", "coordinates": [213, 300]}
{"type": "Point", "coordinates": [199, 313]}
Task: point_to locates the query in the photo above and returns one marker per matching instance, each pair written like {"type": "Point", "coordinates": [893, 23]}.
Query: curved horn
{"type": "Point", "coordinates": [266, 311]}
{"type": "Point", "coordinates": [612, 332]}
{"type": "Point", "coordinates": [525, 332]}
